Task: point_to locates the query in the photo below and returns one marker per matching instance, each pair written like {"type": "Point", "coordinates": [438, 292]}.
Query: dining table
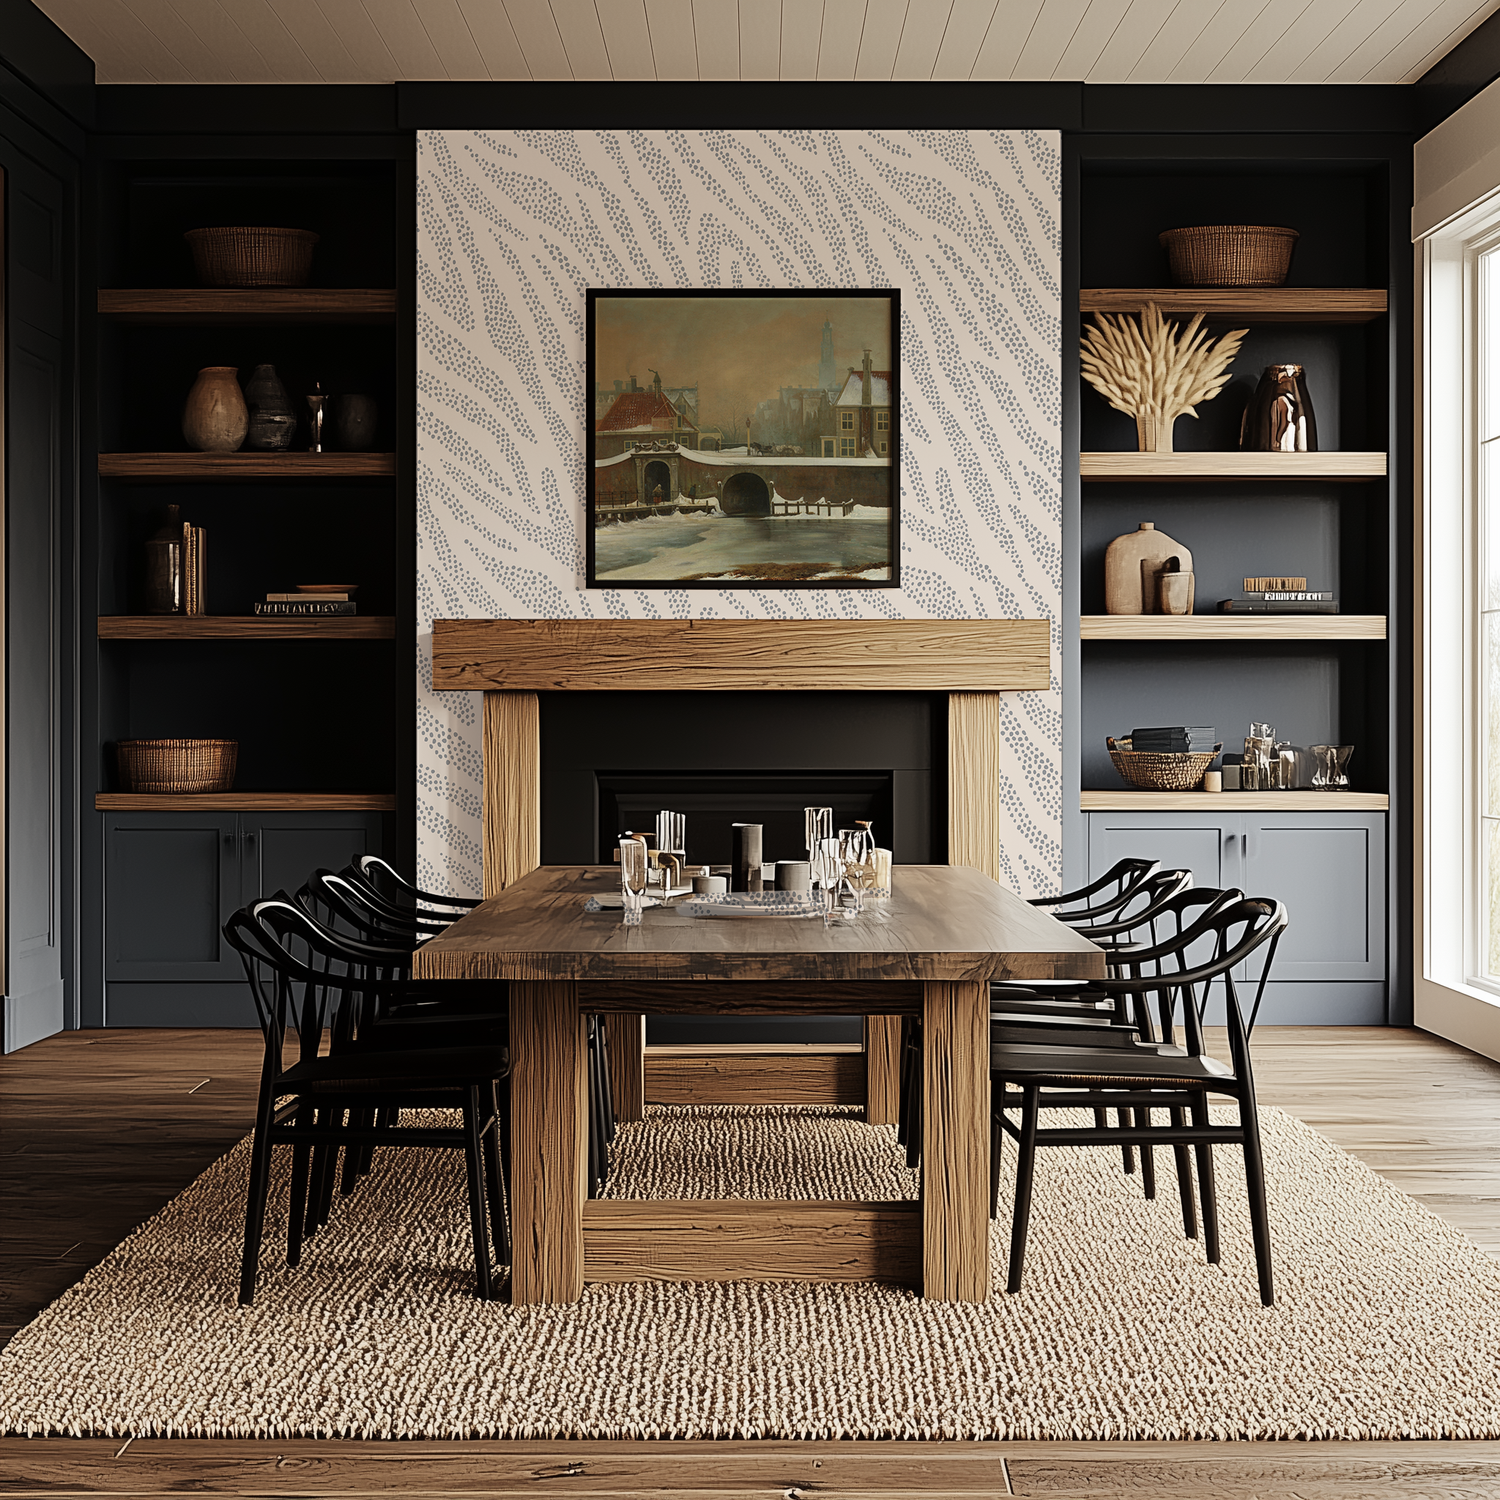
{"type": "Point", "coordinates": [930, 949]}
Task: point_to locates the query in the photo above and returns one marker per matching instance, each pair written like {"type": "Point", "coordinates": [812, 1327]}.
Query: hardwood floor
{"type": "Point", "coordinates": [99, 1129]}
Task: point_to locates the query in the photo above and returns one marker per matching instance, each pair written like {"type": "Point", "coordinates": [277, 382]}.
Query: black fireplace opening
{"type": "Point", "coordinates": [612, 761]}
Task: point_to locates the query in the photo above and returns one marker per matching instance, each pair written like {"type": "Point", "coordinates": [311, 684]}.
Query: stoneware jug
{"type": "Point", "coordinates": [215, 419]}
{"type": "Point", "coordinates": [273, 418]}
{"type": "Point", "coordinates": [1123, 594]}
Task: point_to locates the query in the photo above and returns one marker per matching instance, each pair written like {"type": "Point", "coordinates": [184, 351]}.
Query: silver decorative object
{"type": "Point", "coordinates": [315, 404]}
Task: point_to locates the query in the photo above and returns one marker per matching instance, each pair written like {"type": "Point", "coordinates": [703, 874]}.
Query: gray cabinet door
{"type": "Point", "coordinates": [171, 880]}
{"type": "Point", "coordinates": [281, 850]}
{"type": "Point", "coordinates": [1207, 844]}
{"type": "Point", "coordinates": [1330, 871]}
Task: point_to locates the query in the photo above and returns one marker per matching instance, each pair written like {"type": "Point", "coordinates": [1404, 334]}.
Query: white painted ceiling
{"type": "Point", "coordinates": [1101, 41]}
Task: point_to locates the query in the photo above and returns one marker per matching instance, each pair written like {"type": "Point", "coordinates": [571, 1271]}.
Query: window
{"type": "Point", "coordinates": [846, 421]}
{"type": "Point", "coordinates": [1485, 643]}
{"type": "Point", "coordinates": [846, 447]}
{"type": "Point", "coordinates": [882, 421]}
{"type": "Point", "coordinates": [884, 447]}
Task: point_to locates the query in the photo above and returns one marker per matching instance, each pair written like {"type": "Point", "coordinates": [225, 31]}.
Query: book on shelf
{"type": "Point", "coordinates": [1260, 585]}
{"type": "Point", "coordinates": [1287, 594]}
{"type": "Point", "coordinates": [194, 555]}
{"type": "Point", "coordinates": [305, 606]}
{"type": "Point", "coordinates": [1173, 739]}
{"type": "Point", "coordinates": [1279, 606]}
{"type": "Point", "coordinates": [301, 598]}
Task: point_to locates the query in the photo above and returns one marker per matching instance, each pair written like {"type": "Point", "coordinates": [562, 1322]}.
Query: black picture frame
{"type": "Point", "coordinates": [622, 491]}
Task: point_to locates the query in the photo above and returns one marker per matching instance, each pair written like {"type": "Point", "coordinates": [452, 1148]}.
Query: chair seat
{"type": "Point", "coordinates": [408, 1071]}
{"type": "Point", "coordinates": [1142, 1065]}
{"type": "Point", "coordinates": [1071, 1031]}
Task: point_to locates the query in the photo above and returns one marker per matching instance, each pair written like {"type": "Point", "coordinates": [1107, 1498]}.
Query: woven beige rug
{"type": "Point", "coordinates": [1387, 1323]}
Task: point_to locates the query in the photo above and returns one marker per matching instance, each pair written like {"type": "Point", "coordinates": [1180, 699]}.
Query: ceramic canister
{"type": "Point", "coordinates": [793, 875]}
{"type": "Point", "coordinates": [1124, 570]}
{"type": "Point", "coordinates": [215, 418]}
{"type": "Point", "coordinates": [709, 885]}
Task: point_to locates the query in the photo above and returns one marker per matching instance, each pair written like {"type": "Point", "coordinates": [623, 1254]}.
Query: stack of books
{"type": "Point", "coordinates": [306, 604]}
{"type": "Point", "coordinates": [194, 569]}
{"type": "Point", "coordinates": [1174, 739]}
{"type": "Point", "coordinates": [1280, 596]}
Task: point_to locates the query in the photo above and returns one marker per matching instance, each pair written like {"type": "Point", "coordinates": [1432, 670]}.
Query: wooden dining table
{"type": "Point", "coordinates": [929, 949]}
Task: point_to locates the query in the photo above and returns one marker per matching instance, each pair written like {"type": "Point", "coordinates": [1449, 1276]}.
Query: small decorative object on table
{"type": "Point", "coordinates": [165, 582]}
{"type": "Point", "coordinates": [177, 766]}
{"type": "Point", "coordinates": [1279, 416]}
{"type": "Point", "coordinates": [634, 874]}
{"type": "Point", "coordinates": [354, 423]}
{"type": "Point", "coordinates": [882, 873]}
{"type": "Point", "coordinates": [215, 418]}
{"type": "Point", "coordinates": [793, 875]}
{"type": "Point", "coordinates": [273, 418]}
{"type": "Point", "coordinates": [1159, 771]}
{"type": "Point", "coordinates": [1145, 370]}
{"type": "Point", "coordinates": [1233, 255]}
{"type": "Point", "coordinates": [1331, 766]}
{"type": "Point", "coordinates": [1131, 559]}
{"type": "Point", "coordinates": [753, 904]}
{"type": "Point", "coordinates": [316, 404]}
{"type": "Point", "coordinates": [238, 255]}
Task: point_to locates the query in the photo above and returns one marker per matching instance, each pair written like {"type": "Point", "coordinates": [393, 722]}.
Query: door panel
{"type": "Point", "coordinates": [1208, 846]}
{"type": "Point", "coordinates": [282, 849]}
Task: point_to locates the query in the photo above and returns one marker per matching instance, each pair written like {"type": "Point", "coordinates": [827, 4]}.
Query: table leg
{"type": "Point", "coordinates": [627, 1065]}
{"type": "Point", "coordinates": [955, 1141]}
{"type": "Point", "coordinates": [882, 1069]}
{"type": "Point", "coordinates": [548, 1140]}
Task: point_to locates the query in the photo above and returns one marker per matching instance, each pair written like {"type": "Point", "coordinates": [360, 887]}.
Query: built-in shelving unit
{"type": "Point", "coordinates": [1215, 802]}
{"type": "Point", "coordinates": [225, 306]}
{"type": "Point", "coordinates": [1244, 628]}
{"type": "Point", "coordinates": [1279, 304]}
{"type": "Point", "coordinates": [246, 627]}
{"type": "Point", "coordinates": [1182, 468]}
{"type": "Point", "coordinates": [243, 802]}
{"type": "Point", "coordinates": [244, 468]}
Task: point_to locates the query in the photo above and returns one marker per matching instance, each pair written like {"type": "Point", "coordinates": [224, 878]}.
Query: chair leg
{"type": "Point", "coordinates": [255, 1196]}
{"type": "Point", "coordinates": [297, 1199]}
{"type": "Point", "coordinates": [903, 1086]}
{"type": "Point", "coordinates": [494, 1178]}
{"type": "Point", "coordinates": [1184, 1163]}
{"type": "Point", "coordinates": [914, 1113]}
{"type": "Point", "coordinates": [1207, 1191]}
{"type": "Point", "coordinates": [606, 1089]}
{"type": "Point", "coordinates": [359, 1119]}
{"type": "Point", "coordinates": [1025, 1170]}
{"type": "Point", "coordinates": [1142, 1119]}
{"type": "Point", "coordinates": [1127, 1151]}
{"type": "Point", "coordinates": [473, 1160]}
{"type": "Point", "coordinates": [997, 1146]}
{"type": "Point", "coordinates": [1255, 1185]}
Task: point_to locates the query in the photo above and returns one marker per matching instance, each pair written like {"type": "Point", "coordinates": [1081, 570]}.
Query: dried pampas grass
{"type": "Point", "coordinates": [1146, 370]}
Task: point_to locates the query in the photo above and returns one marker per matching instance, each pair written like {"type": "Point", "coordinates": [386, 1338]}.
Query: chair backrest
{"type": "Point", "coordinates": [1146, 900]}
{"type": "Point", "coordinates": [337, 900]}
{"type": "Point", "coordinates": [1114, 889]}
{"type": "Point", "coordinates": [396, 888]}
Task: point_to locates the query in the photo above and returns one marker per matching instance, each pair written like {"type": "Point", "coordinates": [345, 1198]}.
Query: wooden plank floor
{"type": "Point", "coordinates": [100, 1129]}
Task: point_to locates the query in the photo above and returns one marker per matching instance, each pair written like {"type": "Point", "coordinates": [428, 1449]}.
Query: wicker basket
{"type": "Point", "coordinates": [1229, 254]}
{"type": "Point", "coordinates": [1156, 772]}
{"type": "Point", "coordinates": [177, 765]}
{"type": "Point", "coordinates": [252, 257]}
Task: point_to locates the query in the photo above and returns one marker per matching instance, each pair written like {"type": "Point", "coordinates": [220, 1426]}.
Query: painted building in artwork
{"type": "Point", "coordinates": [642, 416]}
{"type": "Point", "coordinates": [864, 419]}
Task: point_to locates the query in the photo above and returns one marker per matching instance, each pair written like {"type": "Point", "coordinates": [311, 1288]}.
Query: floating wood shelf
{"type": "Point", "coordinates": [1209, 802]}
{"type": "Point", "coordinates": [1217, 627]}
{"type": "Point", "coordinates": [1181, 467]}
{"type": "Point", "coordinates": [225, 305]}
{"type": "Point", "coordinates": [246, 627]}
{"type": "Point", "coordinates": [243, 802]}
{"type": "Point", "coordinates": [219, 468]}
{"type": "Point", "coordinates": [1282, 304]}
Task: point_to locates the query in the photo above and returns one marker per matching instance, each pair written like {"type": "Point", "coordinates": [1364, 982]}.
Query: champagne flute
{"type": "Point", "coordinates": [635, 871]}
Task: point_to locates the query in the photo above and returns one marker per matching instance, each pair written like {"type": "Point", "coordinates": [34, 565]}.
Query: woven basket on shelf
{"type": "Point", "coordinates": [177, 765]}
{"type": "Point", "coordinates": [1229, 254]}
{"type": "Point", "coordinates": [1154, 771]}
{"type": "Point", "coordinates": [252, 257]}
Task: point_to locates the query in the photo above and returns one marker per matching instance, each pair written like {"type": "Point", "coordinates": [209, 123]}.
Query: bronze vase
{"type": "Point", "coordinates": [215, 418]}
{"type": "Point", "coordinates": [1279, 418]}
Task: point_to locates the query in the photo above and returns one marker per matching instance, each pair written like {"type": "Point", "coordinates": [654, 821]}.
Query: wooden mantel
{"type": "Point", "coordinates": [511, 661]}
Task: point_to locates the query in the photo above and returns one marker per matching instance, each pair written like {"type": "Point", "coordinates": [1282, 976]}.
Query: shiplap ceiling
{"type": "Point", "coordinates": [1101, 41]}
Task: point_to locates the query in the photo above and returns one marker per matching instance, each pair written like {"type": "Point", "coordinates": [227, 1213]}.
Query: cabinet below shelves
{"type": "Point", "coordinates": [243, 802]}
{"type": "Point", "coordinates": [1126, 801]}
{"type": "Point", "coordinates": [246, 627]}
{"type": "Point", "coordinates": [1278, 304]}
{"type": "Point", "coordinates": [240, 468]}
{"type": "Point", "coordinates": [1182, 467]}
{"type": "Point", "coordinates": [1217, 627]}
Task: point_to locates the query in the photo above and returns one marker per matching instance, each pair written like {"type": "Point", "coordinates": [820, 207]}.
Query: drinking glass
{"type": "Point", "coordinates": [635, 870]}
{"type": "Point", "coordinates": [827, 872]}
{"type": "Point", "coordinates": [854, 862]}
{"type": "Point", "coordinates": [818, 824]}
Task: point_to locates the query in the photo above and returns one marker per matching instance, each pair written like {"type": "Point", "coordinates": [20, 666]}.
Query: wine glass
{"type": "Point", "coordinates": [827, 873]}
{"type": "Point", "coordinates": [635, 871]}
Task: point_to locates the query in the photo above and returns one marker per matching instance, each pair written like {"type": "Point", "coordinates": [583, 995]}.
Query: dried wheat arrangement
{"type": "Point", "coordinates": [1145, 369]}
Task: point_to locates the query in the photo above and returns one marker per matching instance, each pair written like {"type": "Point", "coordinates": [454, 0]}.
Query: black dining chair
{"type": "Point", "coordinates": [388, 882]}
{"type": "Point", "coordinates": [1103, 897]}
{"type": "Point", "coordinates": [306, 1103]}
{"type": "Point", "coordinates": [1179, 1079]}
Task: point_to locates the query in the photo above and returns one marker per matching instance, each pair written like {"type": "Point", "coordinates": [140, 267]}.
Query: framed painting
{"type": "Point", "coordinates": [743, 439]}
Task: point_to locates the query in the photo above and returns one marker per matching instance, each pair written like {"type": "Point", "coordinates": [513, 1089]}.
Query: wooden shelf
{"type": "Point", "coordinates": [1180, 467]}
{"type": "Point", "coordinates": [1217, 627]}
{"type": "Point", "coordinates": [1281, 304]}
{"type": "Point", "coordinates": [244, 802]}
{"type": "Point", "coordinates": [246, 627]}
{"type": "Point", "coordinates": [1207, 802]}
{"type": "Point", "coordinates": [232, 468]}
{"type": "Point", "coordinates": [224, 305]}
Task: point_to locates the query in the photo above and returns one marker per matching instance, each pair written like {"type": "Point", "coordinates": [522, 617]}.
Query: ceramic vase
{"type": "Point", "coordinates": [354, 419]}
{"type": "Point", "coordinates": [215, 418]}
{"type": "Point", "coordinates": [745, 857]}
{"type": "Point", "coordinates": [273, 419]}
{"type": "Point", "coordinates": [1279, 418]}
{"type": "Point", "coordinates": [1124, 570]}
{"type": "Point", "coordinates": [164, 574]}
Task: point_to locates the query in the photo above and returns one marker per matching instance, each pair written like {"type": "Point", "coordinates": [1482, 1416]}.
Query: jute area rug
{"type": "Point", "coordinates": [1387, 1322]}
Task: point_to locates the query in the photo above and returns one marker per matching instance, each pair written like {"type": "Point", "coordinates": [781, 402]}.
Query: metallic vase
{"type": "Point", "coordinates": [1279, 418]}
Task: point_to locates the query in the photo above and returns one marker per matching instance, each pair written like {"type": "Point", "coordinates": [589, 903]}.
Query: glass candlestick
{"type": "Point", "coordinates": [315, 404]}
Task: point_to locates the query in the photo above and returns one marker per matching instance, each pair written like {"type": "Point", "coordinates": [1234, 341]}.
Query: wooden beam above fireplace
{"type": "Point", "coordinates": [741, 655]}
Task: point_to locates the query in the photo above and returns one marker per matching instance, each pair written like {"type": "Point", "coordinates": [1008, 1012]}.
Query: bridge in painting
{"type": "Point", "coordinates": [662, 478]}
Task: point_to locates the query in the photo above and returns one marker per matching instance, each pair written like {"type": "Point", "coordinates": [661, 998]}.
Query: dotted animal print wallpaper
{"type": "Point", "coordinates": [514, 227]}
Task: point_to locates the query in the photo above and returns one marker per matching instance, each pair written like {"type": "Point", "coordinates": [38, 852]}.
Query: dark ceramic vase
{"type": "Point", "coordinates": [1279, 418]}
{"type": "Point", "coordinates": [273, 420]}
{"type": "Point", "coordinates": [354, 419]}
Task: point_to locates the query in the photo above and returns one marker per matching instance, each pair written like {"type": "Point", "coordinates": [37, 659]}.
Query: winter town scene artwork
{"type": "Point", "coordinates": [743, 438]}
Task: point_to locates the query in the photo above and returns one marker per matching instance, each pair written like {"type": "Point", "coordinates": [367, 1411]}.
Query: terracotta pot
{"type": "Point", "coordinates": [215, 419]}
{"type": "Point", "coordinates": [1123, 572]}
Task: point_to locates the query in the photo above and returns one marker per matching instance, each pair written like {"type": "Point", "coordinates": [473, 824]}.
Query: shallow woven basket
{"type": "Point", "coordinates": [1229, 254]}
{"type": "Point", "coordinates": [1156, 772]}
{"type": "Point", "coordinates": [252, 257]}
{"type": "Point", "coordinates": [177, 765]}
